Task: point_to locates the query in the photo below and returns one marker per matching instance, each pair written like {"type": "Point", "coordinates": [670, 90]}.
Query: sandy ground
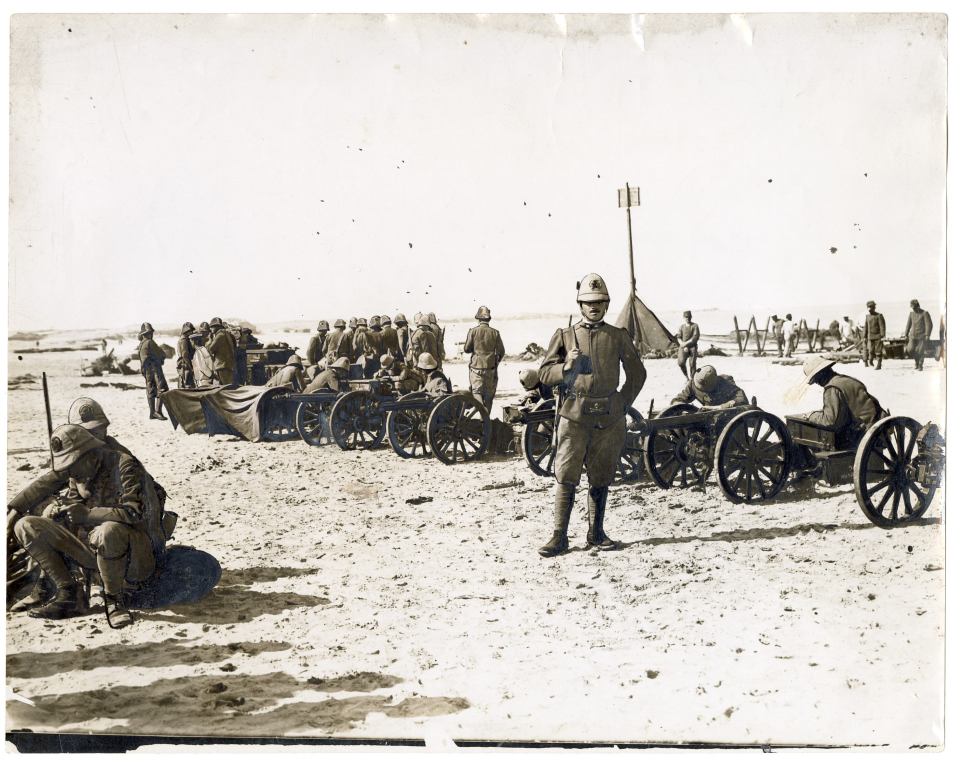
{"type": "Point", "coordinates": [345, 611]}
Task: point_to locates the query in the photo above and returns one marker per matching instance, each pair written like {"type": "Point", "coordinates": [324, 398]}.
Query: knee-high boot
{"type": "Point", "coordinates": [596, 508]}
{"type": "Point", "coordinates": [562, 508]}
{"type": "Point", "coordinates": [68, 600]}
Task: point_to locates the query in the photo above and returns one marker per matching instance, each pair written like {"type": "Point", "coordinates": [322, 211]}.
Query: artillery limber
{"type": "Point", "coordinates": [454, 428]}
{"type": "Point", "coordinates": [537, 427]}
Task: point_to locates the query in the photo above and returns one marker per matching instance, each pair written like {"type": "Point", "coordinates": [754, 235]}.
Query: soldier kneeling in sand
{"type": "Point", "coordinates": [111, 523]}
{"type": "Point", "coordinates": [435, 383]}
{"type": "Point", "coordinates": [711, 391]}
{"type": "Point", "coordinates": [333, 378]}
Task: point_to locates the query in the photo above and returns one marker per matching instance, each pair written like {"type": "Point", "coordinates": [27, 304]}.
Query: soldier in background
{"type": "Point", "coordinates": [711, 391]}
{"type": "Point", "coordinates": [777, 330]}
{"type": "Point", "coordinates": [359, 340]}
{"type": "Point", "coordinates": [586, 359]}
{"type": "Point", "coordinates": [185, 357]}
{"type": "Point", "coordinates": [423, 341]}
{"type": "Point", "coordinates": [112, 497]}
{"type": "Point", "coordinates": [919, 327]}
{"type": "Point", "coordinates": [334, 378]}
{"type": "Point", "coordinates": [435, 382]}
{"type": "Point", "coordinates": [202, 361]}
{"type": "Point", "coordinates": [389, 368]}
{"type": "Point", "coordinates": [337, 343]}
{"type": "Point", "coordinates": [485, 347]}
{"type": "Point", "coordinates": [221, 348]}
{"type": "Point", "coordinates": [875, 330]}
{"type": "Point", "coordinates": [689, 337]}
{"type": "Point", "coordinates": [373, 347]}
{"type": "Point", "coordinates": [289, 376]}
{"type": "Point", "coordinates": [318, 342]}
{"type": "Point", "coordinates": [349, 334]}
{"type": "Point", "coordinates": [848, 332]}
{"type": "Point", "coordinates": [848, 408]}
{"type": "Point", "coordinates": [389, 341]}
{"type": "Point", "coordinates": [403, 335]}
{"type": "Point", "coordinates": [789, 330]}
{"type": "Point", "coordinates": [437, 330]}
{"type": "Point", "coordinates": [534, 391]}
{"type": "Point", "coordinates": [151, 366]}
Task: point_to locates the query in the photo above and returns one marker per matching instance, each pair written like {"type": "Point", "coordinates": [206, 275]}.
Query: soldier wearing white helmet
{"type": "Point", "coordinates": [334, 378]}
{"type": "Point", "coordinates": [388, 367]}
{"type": "Point", "coordinates": [112, 497]}
{"type": "Point", "coordinates": [151, 366]}
{"type": "Point", "coordinates": [435, 382]}
{"type": "Point", "coordinates": [585, 361]}
{"type": "Point", "coordinates": [485, 347]}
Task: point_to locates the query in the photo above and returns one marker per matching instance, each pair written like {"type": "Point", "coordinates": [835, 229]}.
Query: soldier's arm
{"type": "Point", "coordinates": [468, 343]}
{"type": "Point", "coordinates": [501, 351]}
{"type": "Point", "coordinates": [883, 327]}
{"type": "Point", "coordinates": [927, 324]}
{"type": "Point", "coordinates": [551, 369]}
{"type": "Point", "coordinates": [696, 335]}
{"type": "Point", "coordinates": [129, 509]}
{"type": "Point", "coordinates": [36, 491]}
{"type": "Point", "coordinates": [685, 396]}
{"type": "Point", "coordinates": [636, 373]}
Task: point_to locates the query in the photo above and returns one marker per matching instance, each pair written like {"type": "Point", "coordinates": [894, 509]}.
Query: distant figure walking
{"type": "Point", "coordinates": [919, 327]}
{"type": "Point", "coordinates": [689, 336]}
{"type": "Point", "coordinates": [875, 330]}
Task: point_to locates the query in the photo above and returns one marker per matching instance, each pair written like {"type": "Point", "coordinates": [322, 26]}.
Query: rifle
{"type": "Point", "coordinates": [46, 404]}
{"type": "Point", "coordinates": [561, 390]}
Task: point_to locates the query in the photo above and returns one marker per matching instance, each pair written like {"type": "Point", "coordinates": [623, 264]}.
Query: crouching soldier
{"type": "Point", "coordinates": [534, 391]}
{"type": "Point", "coordinates": [388, 367]}
{"type": "Point", "coordinates": [435, 383]}
{"type": "Point", "coordinates": [112, 501]}
{"type": "Point", "coordinates": [848, 408]}
{"type": "Point", "coordinates": [585, 360]}
{"type": "Point", "coordinates": [289, 376]}
{"type": "Point", "coordinates": [334, 378]}
{"type": "Point", "coordinates": [711, 391]}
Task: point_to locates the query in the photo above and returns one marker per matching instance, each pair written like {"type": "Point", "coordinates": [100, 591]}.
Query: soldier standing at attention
{"type": "Point", "coordinates": [349, 333]}
{"type": "Point", "coordinates": [151, 365]}
{"type": "Point", "coordinates": [359, 340]}
{"type": "Point", "coordinates": [222, 352]}
{"type": "Point", "coordinates": [318, 342]}
{"type": "Point", "coordinates": [185, 357]}
{"type": "Point", "coordinates": [438, 333]}
{"type": "Point", "coordinates": [485, 347]}
{"type": "Point", "coordinates": [919, 327]}
{"type": "Point", "coordinates": [373, 347]}
{"type": "Point", "coordinates": [337, 342]}
{"type": "Point", "coordinates": [423, 341]}
{"type": "Point", "coordinates": [389, 342]}
{"type": "Point", "coordinates": [585, 360]}
{"type": "Point", "coordinates": [875, 330]}
{"type": "Point", "coordinates": [689, 336]}
{"type": "Point", "coordinates": [403, 335]}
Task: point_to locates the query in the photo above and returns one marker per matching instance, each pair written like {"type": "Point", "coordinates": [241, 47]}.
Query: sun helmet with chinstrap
{"type": "Point", "coordinates": [87, 413]}
{"type": "Point", "coordinates": [592, 288]}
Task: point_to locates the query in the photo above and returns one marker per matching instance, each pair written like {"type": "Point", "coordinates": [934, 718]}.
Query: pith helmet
{"type": "Point", "coordinates": [529, 378]}
{"type": "Point", "coordinates": [341, 364]}
{"type": "Point", "coordinates": [687, 314]}
{"type": "Point", "coordinates": [432, 318]}
{"type": "Point", "coordinates": [145, 328]}
{"type": "Point", "coordinates": [323, 325]}
{"type": "Point", "coordinates": [69, 443]}
{"type": "Point", "coordinates": [87, 413]}
{"type": "Point", "coordinates": [399, 319]}
{"type": "Point", "coordinates": [375, 321]}
{"type": "Point", "coordinates": [386, 360]}
{"type": "Point", "coordinates": [422, 320]}
{"type": "Point", "coordinates": [204, 327]}
{"type": "Point", "coordinates": [871, 304]}
{"type": "Point", "coordinates": [216, 322]}
{"type": "Point", "coordinates": [353, 322]}
{"type": "Point", "coordinates": [340, 323]}
{"type": "Point", "coordinates": [426, 361]}
{"type": "Point", "coordinates": [362, 322]}
{"type": "Point", "coordinates": [915, 303]}
{"type": "Point", "coordinates": [483, 313]}
{"type": "Point", "coordinates": [295, 361]}
{"type": "Point", "coordinates": [705, 378]}
{"type": "Point", "coordinates": [592, 288]}
{"type": "Point", "coordinates": [813, 365]}
{"type": "Point", "coordinates": [385, 319]}
{"type": "Point", "coordinates": [187, 328]}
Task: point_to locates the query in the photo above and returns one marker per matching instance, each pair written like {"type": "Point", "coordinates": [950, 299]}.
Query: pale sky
{"type": "Point", "coordinates": [166, 168]}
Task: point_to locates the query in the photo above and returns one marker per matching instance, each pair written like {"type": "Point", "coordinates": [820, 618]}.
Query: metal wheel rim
{"type": "Point", "coordinates": [450, 439]}
{"type": "Point", "coordinates": [406, 429]}
{"type": "Point", "coordinates": [538, 443]}
{"type": "Point", "coordinates": [752, 457]}
{"type": "Point", "coordinates": [313, 424]}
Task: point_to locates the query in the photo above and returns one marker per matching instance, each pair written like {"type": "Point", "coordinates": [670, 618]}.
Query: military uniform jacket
{"type": "Point", "coordinates": [919, 325]}
{"type": "Point", "coordinates": [390, 342]}
{"type": "Point", "coordinates": [411, 379]}
{"type": "Point", "coordinates": [288, 376]}
{"type": "Point", "coordinates": [689, 334]}
{"type": "Point", "coordinates": [403, 338]}
{"type": "Point", "coordinates": [438, 334]}
{"type": "Point", "coordinates": [726, 391]}
{"type": "Point", "coordinates": [221, 350]}
{"type": "Point", "coordinates": [423, 341]}
{"type": "Point", "coordinates": [595, 376]}
{"type": "Point", "coordinates": [847, 404]}
{"type": "Point", "coordinates": [373, 343]}
{"type": "Point", "coordinates": [437, 384]}
{"type": "Point", "coordinates": [122, 486]}
{"type": "Point", "coordinates": [315, 348]}
{"type": "Point", "coordinates": [326, 381]}
{"type": "Point", "coordinates": [875, 326]}
{"type": "Point", "coordinates": [150, 353]}
{"type": "Point", "coordinates": [337, 345]}
{"type": "Point", "coordinates": [184, 353]}
{"type": "Point", "coordinates": [485, 346]}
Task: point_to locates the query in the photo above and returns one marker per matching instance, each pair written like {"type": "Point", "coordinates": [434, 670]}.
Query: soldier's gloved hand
{"type": "Point", "coordinates": [572, 356]}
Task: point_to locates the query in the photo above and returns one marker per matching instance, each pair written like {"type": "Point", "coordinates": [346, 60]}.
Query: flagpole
{"type": "Point", "coordinates": [633, 278]}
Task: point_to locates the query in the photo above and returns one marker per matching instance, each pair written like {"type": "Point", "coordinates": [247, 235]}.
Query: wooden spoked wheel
{"type": "Point", "coordinates": [407, 428]}
{"type": "Point", "coordinates": [357, 421]}
{"type": "Point", "coordinates": [753, 457]}
{"type": "Point", "coordinates": [458, 428]}
{"type": "Point", "coordinates": [630, 467]}
{"type": "Point", "coordinates": [313, 423]}
{"type": "Point", "coordinates": [538, 441]}
{"type": "Point", "coordinates": [885, 484]}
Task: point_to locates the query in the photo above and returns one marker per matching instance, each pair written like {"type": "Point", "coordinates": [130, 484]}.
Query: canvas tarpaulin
{"type": "Point", "coordinates": [648, 332]}
{"type": "Point", "coordinates": [235, 410]}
